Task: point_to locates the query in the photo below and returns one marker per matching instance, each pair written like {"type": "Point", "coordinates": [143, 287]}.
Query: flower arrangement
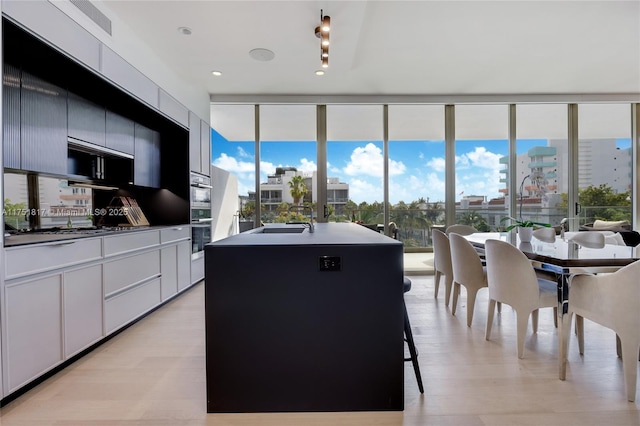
{"type": "Point", "coordinates": [515, 223]}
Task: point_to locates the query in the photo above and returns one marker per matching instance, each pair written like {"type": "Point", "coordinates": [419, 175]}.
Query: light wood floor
{"type": "Point", "coordinates": [154, 374]}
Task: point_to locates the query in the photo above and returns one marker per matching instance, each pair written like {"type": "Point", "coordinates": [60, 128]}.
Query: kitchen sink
{"type": "Point", "coordinates": [281, 230]}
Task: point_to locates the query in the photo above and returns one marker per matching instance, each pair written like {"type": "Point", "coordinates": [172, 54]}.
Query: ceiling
{"type": "Point", "coordinates": [396, 51]}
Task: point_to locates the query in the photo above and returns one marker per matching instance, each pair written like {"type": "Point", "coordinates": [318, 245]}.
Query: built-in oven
{"type": "Point", "coordinates": [200, 214]}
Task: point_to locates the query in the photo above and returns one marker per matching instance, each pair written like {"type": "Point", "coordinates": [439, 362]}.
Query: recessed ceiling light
{"type": "Point", "coordinates": [261, 54]}
{"type": "Point", "coordinates": [184, 30]}
{"type": "Point", "coordinates": [216, 73]}
{"type": "Point", "coordinates": [319, 72]}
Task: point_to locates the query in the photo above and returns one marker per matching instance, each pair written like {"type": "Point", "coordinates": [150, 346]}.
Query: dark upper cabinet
{"type": "Point", "coordinates": [86, 120]}
{"type": "Point", "coordinates": [11, 117]}
{"type": "Point", "coordinates": [43, 126]}
{"type": "Point", "coordinates": [146, 162]}
{"type": "Point", "coordinates": [120, 133]}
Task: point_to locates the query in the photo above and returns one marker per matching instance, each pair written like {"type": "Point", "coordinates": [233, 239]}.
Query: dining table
{"type": "Point", "coordinates": [564, 258]}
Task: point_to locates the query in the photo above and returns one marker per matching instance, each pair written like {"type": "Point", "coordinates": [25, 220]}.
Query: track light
{"type": "Point", "coordinates": [322, 32]}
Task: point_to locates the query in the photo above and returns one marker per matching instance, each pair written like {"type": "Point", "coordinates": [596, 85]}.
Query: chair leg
{"type": "Point", "coordinates": [448, 282]}
{"type": "Point", "coordinates": [436, 281]}
{"type": "Point", "coordinates": [499, 304]}
{"type": "Point", "coordinates": [490, 311]}
{"type": "Point", "coordinates": [555, 317]}
{"type": "Point", "coordinates": [580, 333]}
{"type": "Point", "coordinates": [522, 321]}
{"type": "Point", "coordinates": [471, 303]}
{"type": "Point", "coordinates": [630, 366]}
{"type": "Point", "coordinates": [412, 350]}
{"type": "Point", "coordinates": [454, 301]}
{"type": "Point", "coordinates": [534, 320]}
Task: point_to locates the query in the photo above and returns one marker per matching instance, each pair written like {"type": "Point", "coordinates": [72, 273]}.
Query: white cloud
{"type": "Point", "coordinates": [436, 164]}
{"type": "Point", "coordinates": [243, 154]}
{"type": "Point", "coordinates": [478, 173]}
{"type": "Point", "coordinates": [362, 190]}
{"type": "Point", "coordinates": [368, 161]}
{"type": "Point", "coordinates": [307, 165]}
{"type": "Point", "coordinates": [231, 164]}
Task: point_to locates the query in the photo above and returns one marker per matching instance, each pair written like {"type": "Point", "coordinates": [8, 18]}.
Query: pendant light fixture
{"type": "Point", "coordinates": [322, 32]}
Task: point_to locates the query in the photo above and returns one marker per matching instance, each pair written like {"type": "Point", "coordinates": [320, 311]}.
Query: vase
{"type": "Point", "coordinates": [525, 234]}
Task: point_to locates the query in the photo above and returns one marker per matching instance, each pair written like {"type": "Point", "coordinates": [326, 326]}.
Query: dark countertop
{"type": "Point", "coordinates": [26, 238]}
{"type": "Point", "coordinates": [344, 233]}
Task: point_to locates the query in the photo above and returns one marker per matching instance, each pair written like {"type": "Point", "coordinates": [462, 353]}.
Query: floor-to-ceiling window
{"type": "Point", "coordinates": [542, 153]}
{"type": "Point", "coordinates": [481, 142]}
{"type": "Point", "coordinates": [596, 137]}
{"type": "Point", "coordinates": [233, 149]}
{"type": "Point", "coordinates": [288, 167]}
{"type": "Point", "coordinates": [416, 171]}
{"type": "Point", "coordinates": [604, 162]}
{"type": "Point", "coordinates": [355, 161]}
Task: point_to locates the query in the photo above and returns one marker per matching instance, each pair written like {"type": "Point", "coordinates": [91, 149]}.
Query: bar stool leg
{"type": "Point", "coordinates": [412, 349]}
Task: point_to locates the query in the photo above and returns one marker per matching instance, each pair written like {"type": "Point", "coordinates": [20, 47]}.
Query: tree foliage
{"type": "Point", "coordinates": [602, 202]}
{"type": "Point", "coordinates": [298, 189]}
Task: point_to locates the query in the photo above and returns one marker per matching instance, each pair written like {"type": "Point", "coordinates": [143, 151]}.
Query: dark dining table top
{"type": "Point", "coordinates": [562, 253]}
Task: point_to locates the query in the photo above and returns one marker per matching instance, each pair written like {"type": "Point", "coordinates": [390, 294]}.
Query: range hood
{"type": "Point", "coordinates": [99, 166]}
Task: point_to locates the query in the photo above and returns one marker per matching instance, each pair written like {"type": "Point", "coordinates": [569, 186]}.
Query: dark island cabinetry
{"type": "Point", "coordinates": [305, 322]}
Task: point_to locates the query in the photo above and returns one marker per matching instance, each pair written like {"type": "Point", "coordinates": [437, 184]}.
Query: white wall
{"type": "Point", "coordinates": [224, 199]}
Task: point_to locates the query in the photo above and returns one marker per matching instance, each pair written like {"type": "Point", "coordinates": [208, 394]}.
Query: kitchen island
{"type": "Point", "coordinates": [304, 321]}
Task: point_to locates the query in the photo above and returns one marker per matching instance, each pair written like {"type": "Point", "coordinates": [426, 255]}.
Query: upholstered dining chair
{"type": "Point", "coordinates": [588, 239]}
{"type": "Point", "coordinates": [442, 263]}
{"type": "Point", "coordinates": [613, 301]}
{"type": "Point", "coordinates": [545, 234]}
{"type": "Point", "coordinates": [512, 280]}
{"type": "Point", "coordinates": [467, 271]}
{"type": "Point", "coordinates": [461, 229]}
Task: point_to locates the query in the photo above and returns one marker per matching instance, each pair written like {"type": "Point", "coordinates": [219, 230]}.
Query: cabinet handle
{"type": "Point", "coordinates": [68, 243]}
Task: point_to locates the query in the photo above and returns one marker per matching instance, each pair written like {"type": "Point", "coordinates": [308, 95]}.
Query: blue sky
{"type": "Point", "coordinates": [416, 168]}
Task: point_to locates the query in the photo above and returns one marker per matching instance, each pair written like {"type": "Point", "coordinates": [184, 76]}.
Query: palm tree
{"type": "Point", "coordinates": [298, 189]}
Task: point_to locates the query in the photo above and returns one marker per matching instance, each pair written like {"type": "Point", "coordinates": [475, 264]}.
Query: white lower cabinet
{"type": "Point", "coordinates": [82, 298]}
{"type": "Point", "coordinates": [175, 263]}
{"type": "Point", "coordinates": [125, 307]}
{"type": "Point", "coordinates": [184, 265]}
{"type": "Point", "coordinates": [132, 287]}
{"type": "Point", "coordinates": [169, 267]}
{"type": "Point", "coordinates": [86, 295]}
{"type": "Point", "coordinates": [197, 270]}
{"type": "Point", "coordinates": [34, 332]}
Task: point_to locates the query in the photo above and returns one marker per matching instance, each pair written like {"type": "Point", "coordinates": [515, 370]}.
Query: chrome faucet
{"type": "Point", "coordinates": [310, 223]}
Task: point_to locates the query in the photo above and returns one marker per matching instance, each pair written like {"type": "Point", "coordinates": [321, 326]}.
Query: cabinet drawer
{"type": "Point", "coordinates": [128, 306]}
{"type": "Point", "coordinates": [122, 273]}
{"type": "Point", "coordinates": [115, 244]}
{"type": "Point", "coordinates": [25, 260]}
{"type": "Point", "coordinates": [174, 234]}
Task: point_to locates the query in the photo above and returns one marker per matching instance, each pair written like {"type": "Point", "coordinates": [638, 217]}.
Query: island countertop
{"type": "Point", "coordinates": [343, 233]}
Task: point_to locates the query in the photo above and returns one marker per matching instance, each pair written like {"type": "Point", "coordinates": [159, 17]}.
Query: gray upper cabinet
{"type": "Point", "coordinates": [120, 133]}
{"type": "Point", "coordinates": [173, 108]}
{"type": "Point", "coordinates": [128, 77]}
{"type": "Point", "coordinates": [199, 145]}
{"type": "Point", "coordinates": [194, 142]}
{"type": "Point", "coordinates": [11, 117]}
{"type": "Point", "coordinates": [86, 120]}
{"type": "Point", "coordinates": [205, 148]}
{"type": "Point", "coordinates": [43, 126]}
{"type": "Point", "coordinates": [53, 25]}
{"type": "Point", "coordinates": [146, 162]}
